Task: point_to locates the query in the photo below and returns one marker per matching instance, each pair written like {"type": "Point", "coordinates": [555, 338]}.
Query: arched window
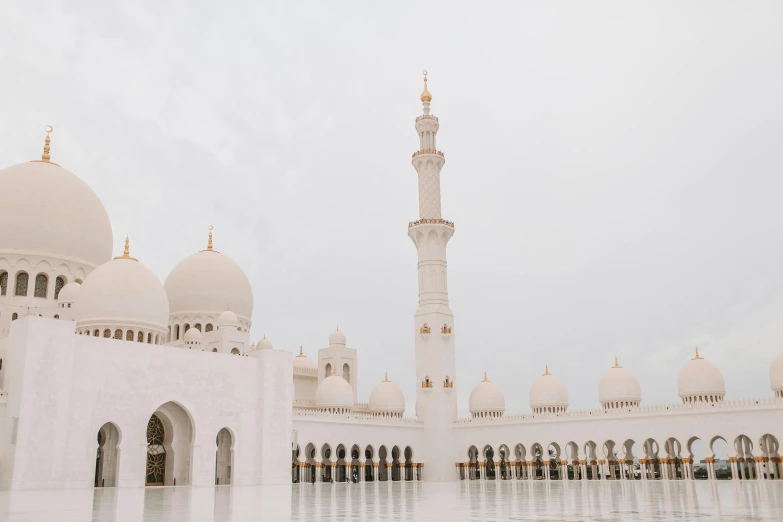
{"type": "Point", "coordinates": [234, 351]}
{"type": "Point", "coordinates": [156, 453]}
{"type": "Point", "coordinates": [59, 283]}
{"type": "Point", "coordinates": [96, 333]}
{"type": "Point", "coordinates": [157, 339]}
{"type": "Point", "coordinates": [21, 284]}
{"type": "Point", "coordinates": [176, 332]}
{"type": "Point", "coordinates": [3, 283]}
{"type": "Point", "coordinates": [149, 338]}
{"type": "Point", "coordinates": [347, 372]}
{"type": "Point", "coordinates": [129, 335]}
{"type": "Point", "coordinates": [214, 349]}
{"type": "Point", "coordinates": [187, 327]}
{"type": "Point", "coordinates": [15, 316]}
{"type": "Point", "coordinates": [118, 334]}
{"type": "Point", "coordinates": [41, 285]}
{"type": "Point", "coordinates": [208, 328]}
{"type": "Point", "coordinates": [197, 326]}
{"type": "Point", "coordinates": [56, 316]}
{"type": "Point", "coordinates": [140, 338]}
{"type": "Point", "coordinates": [107, 333]}
{"type": "Point", "coordinates": [327, 370]}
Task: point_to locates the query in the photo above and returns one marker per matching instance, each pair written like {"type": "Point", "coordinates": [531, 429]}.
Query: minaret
{"type": "Point", "coordinates": [436, 399]}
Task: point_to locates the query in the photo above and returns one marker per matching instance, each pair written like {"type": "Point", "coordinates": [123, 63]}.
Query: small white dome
{"type": "Point", "coordinates": [337, 337]}
{"type": "Point", "coordinates": [334, 392]}
{"type": "Point", "coordinates": [548, 392]}
{"type": "Point", "coordinates": [264, 344]}
{"type": "Point", "coordinates": [122, 292]}
{"type": "Point", "coordinates": [206, 283]}
{"type": "Point", "coordinates": [69, 292]}
{"type": "Point", "coordinates": [387, 398]}
{"type": "Point", "coordinates": [228, 319]}
{"type": "Point", "coordinates": [486, 397]}
{"type": "Point", "coordinates": [776, 373]}
{"type": "Point", "coordinates": [301, 362]}
{"type": "Point", "coordinates": [699, 380]}
{"type": "Point", "coordinates": [192, 336]}
{"type": "Point", "coordinates": [54, 215]}
{"type": "Point", "coordinates": [618, 385]}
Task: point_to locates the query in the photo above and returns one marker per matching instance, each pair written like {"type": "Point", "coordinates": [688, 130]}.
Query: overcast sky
{"type": "Point", "coordinates": [614, 169]}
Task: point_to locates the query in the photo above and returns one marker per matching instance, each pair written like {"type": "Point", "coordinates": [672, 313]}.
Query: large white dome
{"type": "Point", "coordinates": [776, 374]}
{"type": "Point", "coordinates": [209, 282]}
{"type": "Point", "coordinates": [486, 398]}
{"type": "Point", "coordinates": [387, 398]}
{"type": "Point", "coordinates": [50, 212]}
{"type": "Point", "coordinates": [120, 293]}
{"type": "Point", "coordinates": [548, 394]}
{"type": "Point", "coordinates": [334, 392]}
{"type": "Point", "coordinates": [700, 380]}
{"type": "Point", "coordinates": [618, 387]}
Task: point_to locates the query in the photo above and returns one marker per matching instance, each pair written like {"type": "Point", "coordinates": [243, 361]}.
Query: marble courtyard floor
{"type": "Point", "coordinates": [486, 501]}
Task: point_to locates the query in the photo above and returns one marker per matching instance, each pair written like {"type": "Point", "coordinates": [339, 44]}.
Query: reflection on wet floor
{"type": "Point", "coordinates": [410, 501]}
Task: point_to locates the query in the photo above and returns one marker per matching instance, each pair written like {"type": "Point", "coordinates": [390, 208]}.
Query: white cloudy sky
{"type": "Point", "coordinates": [614, 170]}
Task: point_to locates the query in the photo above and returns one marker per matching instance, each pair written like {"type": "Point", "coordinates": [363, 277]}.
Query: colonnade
{"type": "Point", "coordinates": [378, 471]}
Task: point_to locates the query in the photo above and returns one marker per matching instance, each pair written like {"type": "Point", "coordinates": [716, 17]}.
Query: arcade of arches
{"type": "Point", "coordinates": [169, 437]}
{"type": "Point", "coordinates": [353, 464]}
{"type": "Point", "coordinates": [628, 460]}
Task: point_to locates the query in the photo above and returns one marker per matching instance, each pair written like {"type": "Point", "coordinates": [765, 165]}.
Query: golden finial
{"type": "Point", "coordinates": [386, 377]}
{"type": "Point", "coordinates": [546, 370]}
{"type": "Point", "coordinates": [616, 364]}
{"type": "Point", "coordinates": [126, 252]}
{"type": "Point", "coordinates": [485, 377]}
{"type": "Point", "coordinates": [334, 370]}
{"type": "Point", "coordinates": [426, 97]}
{"type": "Point", "coordinates": [697, 354]}
{"type": "Point", "coordinates": [301, 354]}
{"type": "Point", "coordinates": [209, 241]}
{"type": "Point", "coordinates": [45, 156]}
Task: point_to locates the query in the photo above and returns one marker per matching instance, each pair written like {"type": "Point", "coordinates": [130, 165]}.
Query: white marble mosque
{"type": "Point", "coordinates": [112, 379]}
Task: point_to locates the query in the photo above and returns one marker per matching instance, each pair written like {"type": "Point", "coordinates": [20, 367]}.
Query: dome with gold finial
{"type": "Point", "coordinates": [700, 381]}
{"type": "Point", "coordinates": [387, 399]}
{"type": "Point", "coordinates": [304, 363]}
{"type": "Point", "coordinates": [123, 299]}
{"type": "Point", "coordinates": [619, 388]}
{"type": "Point", "coordinates": [426, 97]}
{"type": "Point", "coordinates": [205, 284]}
{"type": "Point", "coordinates": [53, 214]}
{"type": "Point", "coordinates": [486, 399]}
{"type": "Point", "coordinates": [548, 394]}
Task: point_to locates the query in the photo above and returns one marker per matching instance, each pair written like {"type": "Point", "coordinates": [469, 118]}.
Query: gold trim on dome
{"type": "Point", "coordinates": [546, 371]}
{"type": "Point", "coordinates": [126, 253]}
{"type": "Point", "coordinates": [301, 354]}
{"type": "Point", "coordinates": [426, 97]}
{"type": "Point", "coordinates": [697, 354]}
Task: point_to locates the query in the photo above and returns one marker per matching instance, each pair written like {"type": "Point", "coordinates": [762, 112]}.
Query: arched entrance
{"type": "Point", "coordinates": [224, 457]}
{"type": "Point", "coordinates": [156, 453]}
{"type": "Point", "coordinates": [108, 456]}
{"type": "Point", "coordinates": [169, 446]}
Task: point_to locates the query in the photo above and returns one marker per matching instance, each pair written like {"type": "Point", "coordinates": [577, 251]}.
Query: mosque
{"type": "Point", "coordinates": [110, 378]}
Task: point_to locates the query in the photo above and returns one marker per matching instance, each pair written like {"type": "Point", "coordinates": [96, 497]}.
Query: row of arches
{"type": "Point", "coordinates": [120, 334]}
{"type": "Point", "coordinates": [22, 284]}
{"type": "Point", "coordinates": [169, 437]}
{"type": "Point", "coordinates": [177, 331]}
{"type": "Point", "coordinates": [353, 464]}
{"type": "Point", "coordinates": [328, 369]}
{"type": "Point", "coordinates": [627, 460]}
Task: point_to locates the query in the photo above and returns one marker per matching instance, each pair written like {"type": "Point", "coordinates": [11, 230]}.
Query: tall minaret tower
{"type": "Point", "coordinates": [436, 399]}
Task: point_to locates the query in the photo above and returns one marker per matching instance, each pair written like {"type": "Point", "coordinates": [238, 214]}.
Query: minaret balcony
{"type": "Point", "coordinates": [436, 221]}
{"type": "Point", "coordinates": [427, 117]}
{"type": "Point", "coordinates": [428, 151]}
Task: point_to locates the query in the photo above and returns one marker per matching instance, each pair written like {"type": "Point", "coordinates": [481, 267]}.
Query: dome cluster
{"type": "Point", "coordinates": [699, 381]}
